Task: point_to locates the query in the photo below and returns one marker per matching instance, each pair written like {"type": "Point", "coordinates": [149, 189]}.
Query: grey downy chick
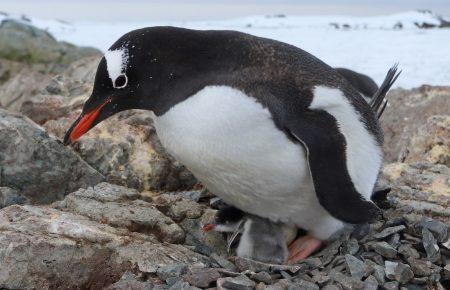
{"type": "Point", "coordinates": [261, 239]}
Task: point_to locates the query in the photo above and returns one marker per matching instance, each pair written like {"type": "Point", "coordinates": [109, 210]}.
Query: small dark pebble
{"type": "Point", "coordinates": [430, 245]}
{"type": "Point", "coordinates": [240, 282]}
{"type": "Point", "coordinates": [202, 277]}
{"type": "Point", "coordinates": [438, 228]}
{"type": "Point", "coordinates": [261, 277]}
{"type": "Point", "coordinates": [389, 231]}
{"type": "Point", "coordinates": [370, 283]}
{"type": "Point", "coordinates": [356, 267]}
{"type": "Point", "coordinates": [384, 249]}
{"type": "Point", "coordinates": [391, 285]}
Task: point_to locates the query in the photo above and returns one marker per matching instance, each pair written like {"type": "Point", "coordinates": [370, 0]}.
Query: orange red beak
{"type": "Point", "coordinates": [207, 227]}
{"type": "Point", "coordinates": [83, 124]}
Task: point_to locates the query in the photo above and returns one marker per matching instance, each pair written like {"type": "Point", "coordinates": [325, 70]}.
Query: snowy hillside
{"type": "Point", "coordinates": [369, 44]}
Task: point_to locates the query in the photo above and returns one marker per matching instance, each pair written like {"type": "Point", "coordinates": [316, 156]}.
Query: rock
{"type": "Point", "coordinates": [438, 228]}
{"type": "Point", "coordinates": [180, 285]}
{"type": "Point", "coordinates": [25, 43]}
{"type": "Point", "coordinates": [261, 277]}
{"type": "Point", "coordinates": [408, 111]}
{"type": "Point", "coordinates": [403, 273]}
{"type": "Point", "coordinates": [389, 269]}
{"type": "Point", "coordinates": [431, 142]}
{"type": "Point", "coordinates": [391, 285]}
{"type": "Point", "coordinates": [408, 251]}
{"type": "Point", "coordinates": [430, 245]}
{"type": "Point", "coordinates": [332, 287]}
{"type": "Point", "coordinates": [375, 270]}
{"type": "Point", "coordinates": [240, 282]}
{"type": "Point", "coordinates": [41, 247]}
{"type": "Point", "coordinates": [302, 284]}
{"type": "Point", "coordinates": [384, 249]}
{"type": "Point", "coordinates": [355, 266]}
{"type": "Point", "coordinates": [9, 196]}
{"type": "Point", "coordinates": [370, 283]}
{"type": "Point", "coordinates": [420, 268]}
{"type": "Point", "coordinates": [119, 207]}
{"type": "Point", "coordinates": [32, 57]}
{"type": "Point", "coordinates": [350, 247]}
{"type": "Point", "coordinates": [178, 207]}
{"type": "Point", "coordinates": [129, 281]}
{"type": "Point", "coordinates": [346, 281]}
{"type": "Point", "coordinates": [37, 166]}
{"type": "Point", "coordinates": [424, 187]}
{"type": "Point", "coordinates": [389, 231]}
{"type": "Point", "coordinates": [168, 271]}
{"type": "Point", "coordinates": [244, 264]}
{"type": "Point", "coordinates": [22, 86]}
{"type": "Point", "coordinates": [223, 262]}
{"type": "Point", "coordinates": [202, 277]}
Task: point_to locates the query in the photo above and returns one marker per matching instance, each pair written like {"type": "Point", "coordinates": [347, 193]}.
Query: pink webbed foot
{"type": "Point", "coordinates": [302, 248]}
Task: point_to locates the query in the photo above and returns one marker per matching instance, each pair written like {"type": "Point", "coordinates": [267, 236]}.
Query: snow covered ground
{"type": "Point", "coordinates": [366, 44]}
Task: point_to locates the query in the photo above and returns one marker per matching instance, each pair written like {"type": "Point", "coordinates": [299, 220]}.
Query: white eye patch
{"type": "Point", "coordinates": [116, 64]}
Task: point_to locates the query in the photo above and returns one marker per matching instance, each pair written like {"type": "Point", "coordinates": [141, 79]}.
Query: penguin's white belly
{"type": "Point", "coordinates": [231, 144]}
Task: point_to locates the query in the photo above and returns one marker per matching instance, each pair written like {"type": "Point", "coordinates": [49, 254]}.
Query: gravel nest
{"type": "Point", "coordinates": [404, 250]}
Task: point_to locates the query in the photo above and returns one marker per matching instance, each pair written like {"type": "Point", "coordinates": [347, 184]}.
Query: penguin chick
{"type": "Point", "coordinates": [261, 239]}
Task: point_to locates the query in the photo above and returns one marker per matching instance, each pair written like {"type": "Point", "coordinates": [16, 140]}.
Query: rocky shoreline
{"type": "Point", "coordinates": [115, 211]}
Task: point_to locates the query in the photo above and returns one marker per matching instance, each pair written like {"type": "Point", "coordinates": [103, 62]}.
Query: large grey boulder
{"type": "Point", "coordinates": [406, 119]}
{"type": "Point", "coordinates": [36, 165]}
{"type": "Point", "coordinates": [44, 248]}
{"type": "Point", "coordinates": [29, 58]}
{"type": "Point", "coordinates": [22, 42]}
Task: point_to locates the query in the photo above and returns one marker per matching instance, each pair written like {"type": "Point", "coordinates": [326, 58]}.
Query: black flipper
{"type": "Point", "coordinates": [325, 147]}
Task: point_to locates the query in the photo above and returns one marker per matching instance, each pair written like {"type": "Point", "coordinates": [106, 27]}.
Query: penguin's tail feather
{"type": "Point", "coordinates": [379, 102]}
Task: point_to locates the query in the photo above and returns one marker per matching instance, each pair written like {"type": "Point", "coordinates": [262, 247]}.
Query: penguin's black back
{"type": "Point", "coordinates": [280, 76]}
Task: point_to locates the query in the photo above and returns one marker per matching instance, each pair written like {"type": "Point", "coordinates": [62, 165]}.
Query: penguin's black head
{"type": "Point", "coordinates": [140, 71]}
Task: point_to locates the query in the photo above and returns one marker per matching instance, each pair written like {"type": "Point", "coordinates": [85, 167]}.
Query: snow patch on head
{"type": "Point", "coordinates": [116, 62]}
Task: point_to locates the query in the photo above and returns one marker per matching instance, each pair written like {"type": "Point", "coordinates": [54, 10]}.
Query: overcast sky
{"type": "Point", "coordinates": [151, 10]}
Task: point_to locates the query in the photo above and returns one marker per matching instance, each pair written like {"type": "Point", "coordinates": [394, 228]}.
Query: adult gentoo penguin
{"type": "Point", "coordinates": [266, 126]}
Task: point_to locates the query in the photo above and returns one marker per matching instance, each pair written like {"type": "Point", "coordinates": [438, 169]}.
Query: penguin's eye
{"type": "Point", "coordinates": [120, 82]}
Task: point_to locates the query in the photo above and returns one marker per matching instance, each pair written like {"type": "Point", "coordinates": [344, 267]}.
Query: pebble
{"type": "Point", "coordinates": [408, 251]}
{"type": "Point", "coordinates": [420, 268]}
{"type": "Point", "coordinates": [356, 267]}
{"type": "Point", "coordinates": [180, 285]}
{"type": "Point", "coordinates": [384, 249]}
{"type": "Point", "coordinates": [391, 285]}
{"type": "Point", "coordinates": [261, 277]}
{"type": "Point", "coordinates": [346, 281]}
{"type": "Point", "coordinates": [202, 277]}
{"type": "Point", "coordinates": [403, 273]}
{"type": "Point", "coordinates": [223, 262]}
{"type": "Point", "coordinates": [370, 283]}
{"type": "Point", "coordinates": [302, 284]}
{"type": "Point", "coordinates": [174, 270]}
{"type": "Point", "coordinates": [430, 245]}
{"type": "Point", "coordinates": [438, 228]}
{"type": "Point", "coordinates": [389, 231]}
{"type": "Point", "coordinates": [332, 287]}
{"type": "Point", "coordinates": [389, 269]}
{"type": "Point", "coordinates": [240, 282]}
{"type": "Point", "coordinates": [351, 247]}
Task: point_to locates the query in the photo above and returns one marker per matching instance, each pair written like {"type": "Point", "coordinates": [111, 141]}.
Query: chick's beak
{"type": "Point", "coordinates": [83, 124]}
{"type": "Point", "coordinates": [208, 227]}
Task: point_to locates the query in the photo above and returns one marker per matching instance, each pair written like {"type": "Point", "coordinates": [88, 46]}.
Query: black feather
{"type": "Point", "coordinates": [378, 102]}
